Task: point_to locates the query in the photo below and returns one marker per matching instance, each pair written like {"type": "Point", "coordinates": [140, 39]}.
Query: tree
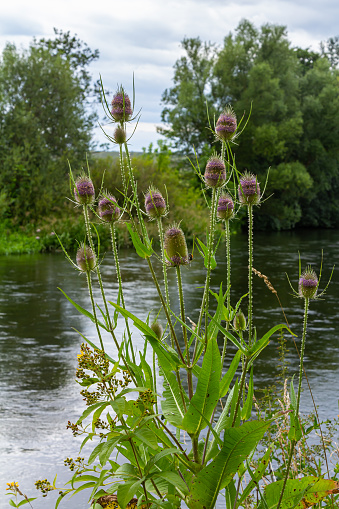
{"type": "Point", "coordinates": [292, 91]}
{"type": "Point", "coordinates": [46, 121]}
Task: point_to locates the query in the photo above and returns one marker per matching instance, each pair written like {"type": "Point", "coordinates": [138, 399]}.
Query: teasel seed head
{"type": "Point", "coordinates": [226, 125]}
{"type": "Point", "coordinates": [239, 321]}
{"type": "Point", "coordinates": [308, 284]}
{"type": "Point", "coordinates": [249, 189]}
{"type": "Point", "coordinates": [120, 135]}
{"type": "Point", "coordinates": [84, 191]}
{"type": "Point", "coordinates": [155, 204]}
{"type": "Point", "coordinates": [225, 207]}
{"type": "Point", "coordinates": [157, 328]}
{"type": "Point", "coordinates": [215, 172]}
{"type": "Point", "coordinates": [86, 259]}
{"type": "Point", "coordinates": [175, 246]}
{"type": "Point", "coordinates": [121, 106]}
{"type": "Point", "coordinates": [108, 209]}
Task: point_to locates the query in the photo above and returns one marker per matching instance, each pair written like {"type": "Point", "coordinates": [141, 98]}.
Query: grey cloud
{"type": "Point", "coordinates": [11, 27]}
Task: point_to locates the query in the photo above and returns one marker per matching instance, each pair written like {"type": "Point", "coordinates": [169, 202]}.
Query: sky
{"type": "Point", "coordinates": [143, 37]}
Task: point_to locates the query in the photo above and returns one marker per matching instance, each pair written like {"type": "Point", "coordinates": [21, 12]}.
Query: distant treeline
{"type": "Point", "coordinates": [293, 129]}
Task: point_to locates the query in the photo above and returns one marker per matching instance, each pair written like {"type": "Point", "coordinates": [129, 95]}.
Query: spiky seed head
{"type": "Point", "coordinates": [85, 258]}
{"type": "Point", "coordinates": [215, 172]}
{"type": "Point", "coordinates": [249, 189]}
{"type": "Point", "coordinates": [175, 246]}
{"type": "Point", "coordinates": [239, 321]}
{"type": "Point", "coordinates": [121, 106]}
{"type": "Point", "coordinates": [155, 204]}
{"type": "Point", "coordinates": [119, 135]}
{"type": "Point", "coordinates": [308, 284]}
{"type": "Point", "coordinates": [226, 125]}
{"type": "Point", "coordinates": [108, 209]}
{"type": "Point", "coordinates": [157, 328]}
{"type": "Point", "coordinates": [225, 207]}
{"type": "Point", "coordinates": [84, 191]}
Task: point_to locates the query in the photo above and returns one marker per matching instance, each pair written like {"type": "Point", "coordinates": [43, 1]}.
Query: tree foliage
{"type": "Point", "coordinates": [293, 129]}
{"type": "Point", "coordinates": [45, 121]}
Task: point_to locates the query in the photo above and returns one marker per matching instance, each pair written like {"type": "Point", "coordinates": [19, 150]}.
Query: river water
{"type": "Point", "coordinates": [39, 345]}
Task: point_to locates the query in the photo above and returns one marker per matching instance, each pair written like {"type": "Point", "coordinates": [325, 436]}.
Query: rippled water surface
{"type": "Point", "coordinates": [39, 345]}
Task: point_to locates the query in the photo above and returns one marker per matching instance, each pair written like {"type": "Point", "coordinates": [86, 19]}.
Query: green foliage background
{"type": "Point", "coordinates": [293, 127]}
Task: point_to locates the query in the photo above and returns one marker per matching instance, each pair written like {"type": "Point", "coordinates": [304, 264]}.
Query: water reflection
{"type": "Point", "coordinates": [38, 346]}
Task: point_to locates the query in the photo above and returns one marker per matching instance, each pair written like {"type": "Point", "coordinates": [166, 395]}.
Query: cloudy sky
{"type": "Point", "coordinates": [143, 36]}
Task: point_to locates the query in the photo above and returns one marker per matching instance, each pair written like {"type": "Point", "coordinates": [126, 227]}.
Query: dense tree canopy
{"type": "Point", "coordinates": [294, 124]}
{"type": "Point", "coordinates": [45, 122]}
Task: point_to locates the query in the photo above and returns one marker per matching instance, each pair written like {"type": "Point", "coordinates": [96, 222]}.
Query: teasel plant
{"type": "Point", "coordinates": [308, 284]}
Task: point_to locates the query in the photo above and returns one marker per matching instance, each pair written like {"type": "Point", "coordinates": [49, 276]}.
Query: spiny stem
{"type": "Point", "coordinates": [250, 275]}
{"type": "Point", "coordinates": [293, 442]}
{"type": "Point", "coordinates": [164, 267]}
{"type": "Point", "coordinates": [184, 332]}
{"type": "Point", "coordinates": [228, 284]}
{"type": "Point", "coordinates": [89, 284]}
{"type": "Point", "coordinates": [117, 266]}
{"type": "Point", "coordinates": [122, 170]}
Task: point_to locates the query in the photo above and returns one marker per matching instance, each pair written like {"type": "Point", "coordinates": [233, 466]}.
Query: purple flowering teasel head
{"type": "Point", "coordinates": [85, 258]}
{"type": "Point", "coordinates": [225, 207]}
{"type": "Point", "coordinates": [108, 209]}
{"type": "Point", "coordinates": [308, 284]}
{"type": "Point", "coordinates": [155, 204]}
{"type": "Point", "coordinates": [215, 172]}
{"type": "Point", "coordinates": [226, 126]}
{"type": "Point", "coordinates": [175, 247]}
{"type": "Point", "coordinates": [249, 189]}
{"type": "Point", "coordinates": [84, 192]}
{"type": "Point", "coordinates": [121, 106]}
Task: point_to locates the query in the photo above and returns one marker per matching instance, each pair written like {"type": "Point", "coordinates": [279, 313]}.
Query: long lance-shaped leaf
{"type": "Point", "coordinates": [229, 336]}
{"type": "Point", "coordinates": [238, 444]}
{"type": "Point", "coordinates": [299, 493]}
{"type": "Point", "coordinates": [228, 376]}
{"type": "Point", "coordinates": [172, 407]}
{"type": "Point", "coordinates": [263, 342]}
{"type": "Point", "coordinates": [142, 250]}
{"type": "Point", "coordinates": [256, 476]}
{"type": "Point", "coordinates": [212, 329]}
{"type": "Point", "coordinates": [83, 311]}
{"type": "Point", "coordinates": [207, 392]}
{"type": "Point", "coordinates": [156, 344]}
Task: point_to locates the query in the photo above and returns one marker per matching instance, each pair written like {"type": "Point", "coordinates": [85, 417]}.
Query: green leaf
{"type": "Point", "coordinates": [146, 436]}
{"type": "Point", "coordinates": [259, 346]}
{"type": "Point", "coordinates": [229, 336]}
{"type": "Point", "coordinates": [126, 491]}
{"type": "Point", "coordinates": [229, 375]}
{"type": "Point", "coordinates": [174, 479]}
{"type": "Point", "coordinates": [203, 250]}
{"type": "Point", "coordinates": [295, 431]}
{"type": "Point", "coordinates": [206, 394]}
{"type": "Point", "coordinates": [212, 329]}
{"type": "Point", "coordinates": [84, 311]}
{"type": "Point", "coordinates": [299, 493]}
{"type": "Point", "coordinates": [172, 406]}
{"type": "Point", "coordinates": [89, 410]}
{"type": "Point", "coordinates": [238, 444]}
{"type": "Point", "coordinates": [247, 410]}
{"type": "Point", "coordinates": [159, 456]}
{"type": "Point", "coordinates": [256, 476]}
{"type": "Point", "coordinates": [293, 398]}
{"type": "Point", "coordinates": [142, 250]}
{"type": "Point", "coordinates": [98, 412]}
{"type": "Point", "coordinates": [23, 502]}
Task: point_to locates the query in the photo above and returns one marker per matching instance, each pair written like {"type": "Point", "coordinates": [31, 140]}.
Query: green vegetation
{"type": "Point", "coordinates": [294, 123]}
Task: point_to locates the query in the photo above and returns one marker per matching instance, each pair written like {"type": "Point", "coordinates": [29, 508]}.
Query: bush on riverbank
{"type": "Point", "coordinates": [157, 166]}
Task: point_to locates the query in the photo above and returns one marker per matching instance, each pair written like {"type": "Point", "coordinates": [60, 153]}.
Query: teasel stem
{"type": "Point", "coordinates": [171, 328]}
{"type": "Point", "coordinates": [155, 383]}
{"type": "Point", "coordinates": [164, 266]}
{"type": "Point", "coordinates": [228, 282]}
{"type": "Point", "coordinates": [117, 267]}
{"type": "Point", "coordinates": [90, 240]}
{"type": "Point", "coordinates": [302, 351]}
{"type": "Point", "coordinates": [135, 194]}
{"type": "Point", "coordinates": [205, 299]}
{"type": "Point", "coordinates": [250, 275]}
{"type": "Point", "coordinates": [122, 170]}
{"type": "Point", "coordinates": [90, 289]}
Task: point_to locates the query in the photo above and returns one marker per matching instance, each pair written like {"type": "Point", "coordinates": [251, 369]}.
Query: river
{"type": "Point", "coordinates": [39, 345]}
